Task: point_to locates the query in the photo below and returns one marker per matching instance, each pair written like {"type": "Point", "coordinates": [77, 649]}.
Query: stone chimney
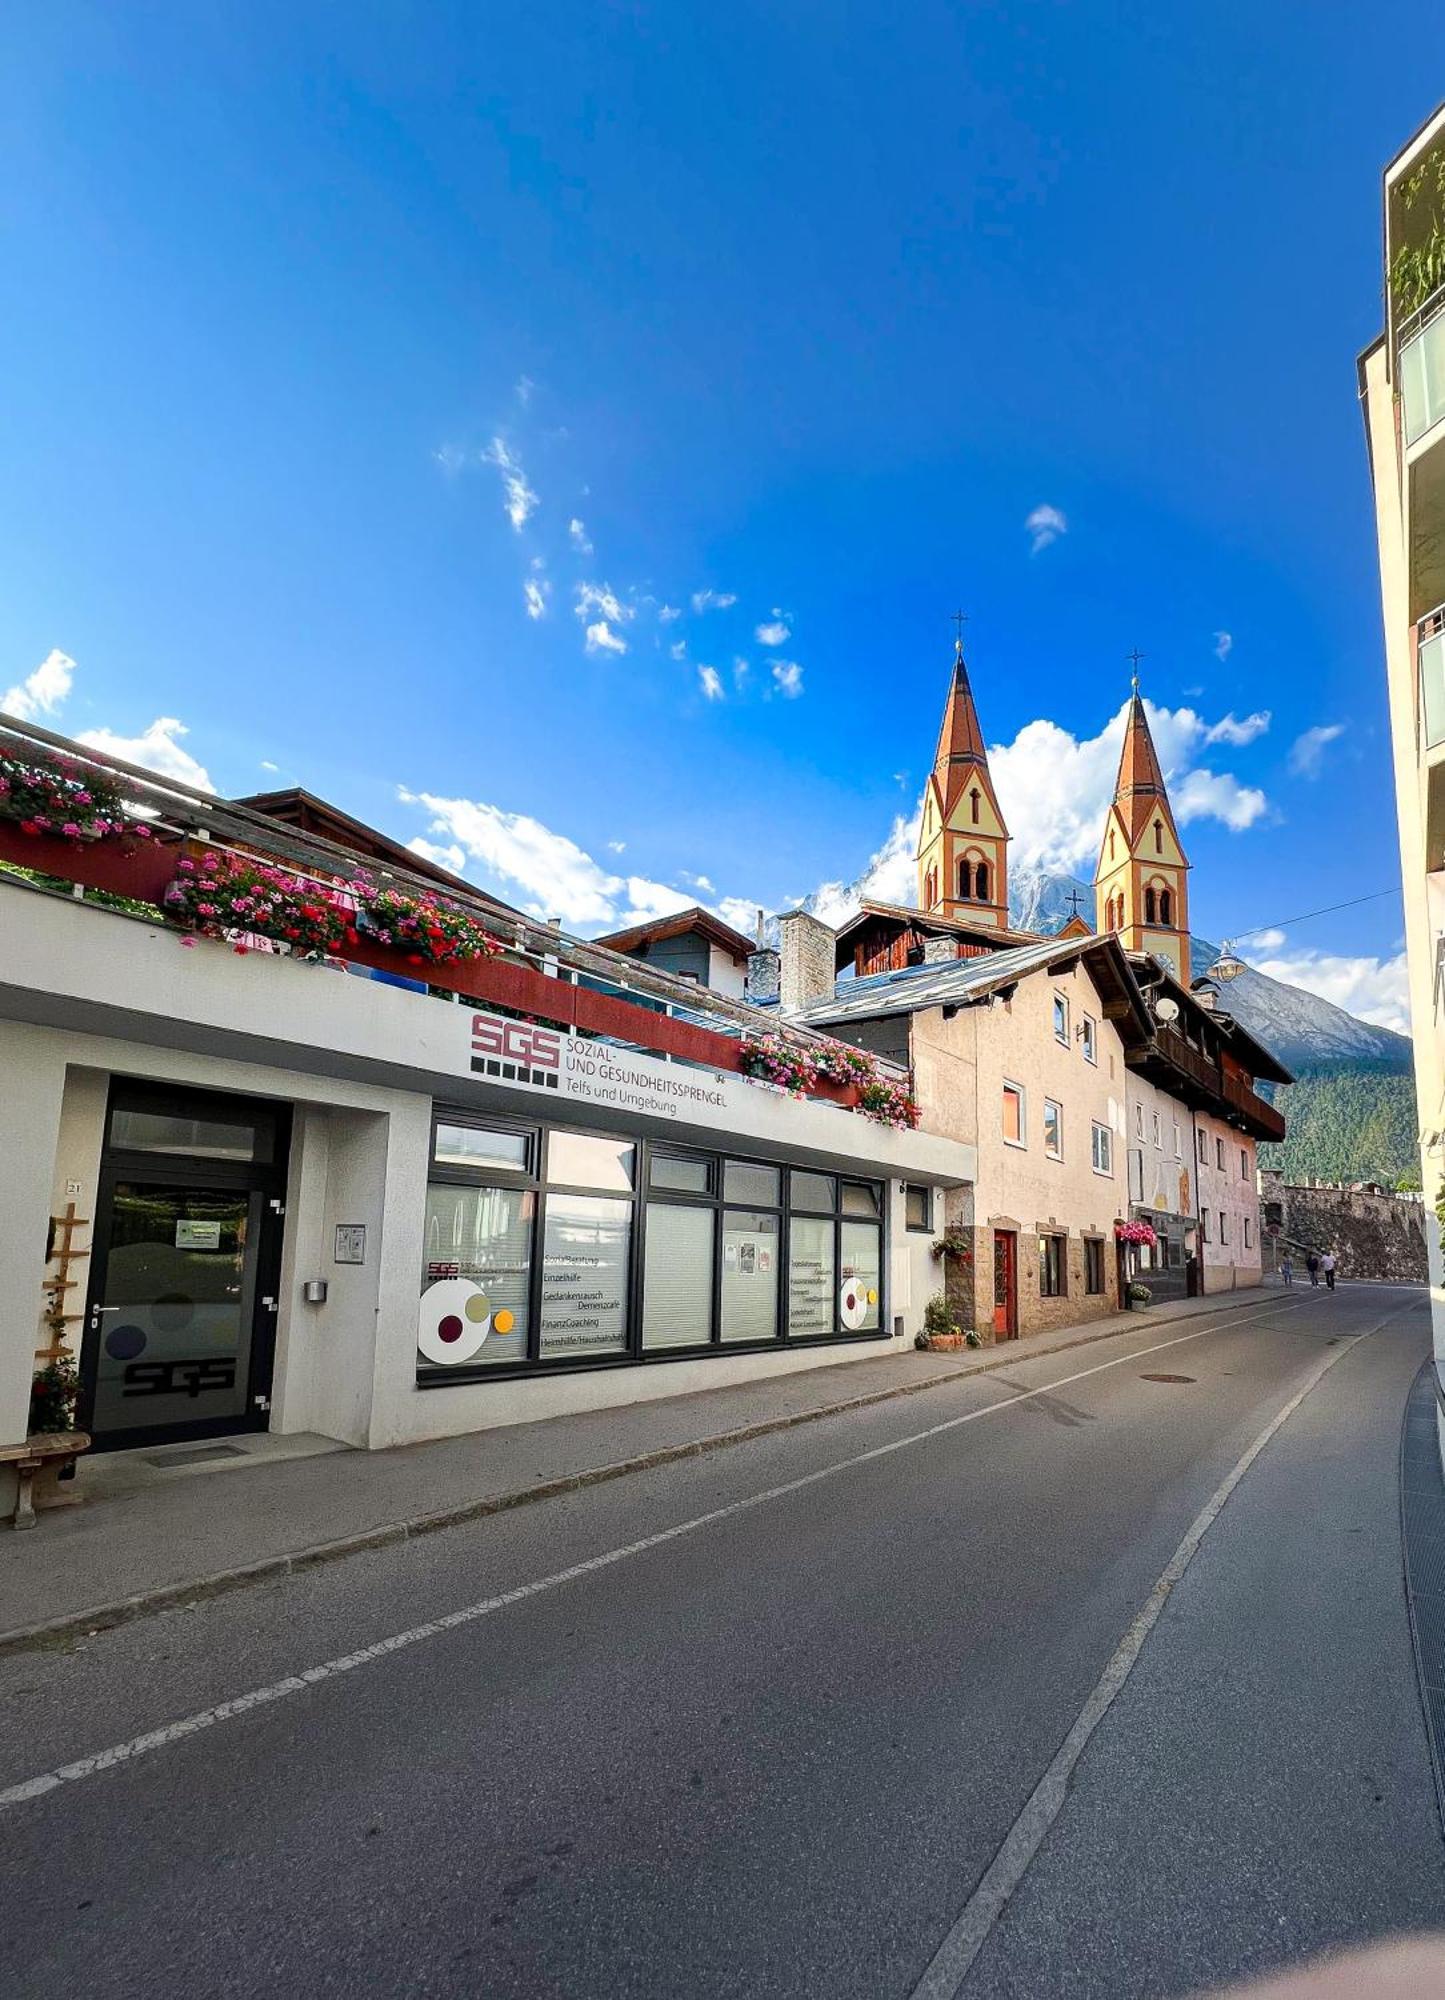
{"type": "Point", "coordinates": [764, 975]}
{"type": "Point", "coordinates": [939, 951]}
{"type": "Point", "coordinates": [807, 960]}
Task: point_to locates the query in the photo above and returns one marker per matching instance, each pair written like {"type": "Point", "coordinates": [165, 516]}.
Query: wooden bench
{"type": "Point", "coordinates": [40, 1450]}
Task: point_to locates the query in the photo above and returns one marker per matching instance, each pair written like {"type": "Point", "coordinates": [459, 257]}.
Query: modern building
{"type": "Point", "coordinates": [507, 1173]}
{"type": "Point", "coordinates": [1402, 391]}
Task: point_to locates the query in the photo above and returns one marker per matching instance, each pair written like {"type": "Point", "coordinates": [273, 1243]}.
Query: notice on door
{"type": "Point", "coordinates": [193, 1235]}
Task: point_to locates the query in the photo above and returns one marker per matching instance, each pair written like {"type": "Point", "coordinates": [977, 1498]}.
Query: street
{"type": "Point", "coordinates": [760, 1721]}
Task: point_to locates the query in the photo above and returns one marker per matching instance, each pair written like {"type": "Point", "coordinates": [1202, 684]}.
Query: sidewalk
{"type": "Point", "coordinates": [150, 1537]}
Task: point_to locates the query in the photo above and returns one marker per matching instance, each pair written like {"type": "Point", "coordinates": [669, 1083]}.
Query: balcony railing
{"type": "Point", "coordinates": [1211, 1077]}
{"type": "Point", "coordinates": [541, 972]}
{"type": "Point", "coordinates": [1430, 656]}
{"type": "Point", "coordinates": [1420, 369]}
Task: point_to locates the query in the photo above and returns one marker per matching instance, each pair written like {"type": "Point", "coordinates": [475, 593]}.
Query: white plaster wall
{"type": "Point", "coordinates": [33, 1071]}
{"type": "Point", "coordinates": [1168, 1165]}
{"type": "Point", "coordinates": [1231, 1266]}
{"type": "Point", "coordinates": [724, 974]}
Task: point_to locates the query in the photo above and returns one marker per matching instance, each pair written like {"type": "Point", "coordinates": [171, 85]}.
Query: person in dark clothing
{"type": "Point", "coordinates": [1312, 1265]}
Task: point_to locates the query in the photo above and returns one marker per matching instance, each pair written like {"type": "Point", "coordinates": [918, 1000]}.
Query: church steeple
{"type": "Point", "coordinates": [1141, 886]}
{"type": "Point", "coordinates": [962, 838]}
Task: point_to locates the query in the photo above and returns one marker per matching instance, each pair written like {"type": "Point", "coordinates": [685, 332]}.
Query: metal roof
{"type": "Point", "coordinates": [953, 982]}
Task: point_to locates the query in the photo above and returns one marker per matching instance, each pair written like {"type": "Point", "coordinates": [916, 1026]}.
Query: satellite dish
{"type": "Point", "coordinates": [1166, 1009]}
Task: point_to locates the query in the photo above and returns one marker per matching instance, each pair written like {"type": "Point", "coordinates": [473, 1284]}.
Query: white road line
{"type": "Point", "coordinates": [293, 1684]}
{"type": "Point", "coordinates": [950, 1965]}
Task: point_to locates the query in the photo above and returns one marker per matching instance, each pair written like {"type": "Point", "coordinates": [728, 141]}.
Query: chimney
{"type": "Point", "coordinates": [764, 975]}
{"type": "Point", "coordinates": [807, 960]}
{"type": "Point", "coordinates": [939, 950]}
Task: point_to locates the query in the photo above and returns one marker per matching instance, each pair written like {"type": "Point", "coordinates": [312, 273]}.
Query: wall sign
{"type": "Point", "coordinates": [192, 1235]}
{"type": "Point", "coordinates": [350, 1246]}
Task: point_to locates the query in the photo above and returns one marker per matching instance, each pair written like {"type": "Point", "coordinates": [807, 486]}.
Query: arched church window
{"type": "Point", "coordinates": [973, 801]}
{"type": "Point", "coordinates": [980, 881]}
{"type": "Point", "coordinates": [1166, 905]}
{"type": "Point", "coordinates": [1111, 843]}
{"type": "Point", "coordinates": [1158, 836]}
{"type": "Point", "coordinates": [1151, 911]}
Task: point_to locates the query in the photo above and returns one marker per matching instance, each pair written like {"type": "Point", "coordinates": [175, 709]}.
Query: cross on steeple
{"type": "Point", "coordinates": [959, 620]}
{"type": "Point", "coordinates": [1134, 658]}
{"type": "Point", "coordinates": [1075, 899]}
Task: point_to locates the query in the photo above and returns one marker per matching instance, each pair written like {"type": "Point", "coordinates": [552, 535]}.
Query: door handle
{"type": "Point", "coordinates": [96, 1311]}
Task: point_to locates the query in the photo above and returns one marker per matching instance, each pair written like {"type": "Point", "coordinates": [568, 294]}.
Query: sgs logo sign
{"type": "Point", "coordinates": [516, 1042]}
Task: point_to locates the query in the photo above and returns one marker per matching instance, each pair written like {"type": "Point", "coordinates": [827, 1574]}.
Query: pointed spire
{"type": "Point", "coordinates": [1140, 787]}
{"type": "Point", "coordinates": [960, 740]}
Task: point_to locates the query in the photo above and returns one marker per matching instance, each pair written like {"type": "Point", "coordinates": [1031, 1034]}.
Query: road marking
{"type": "Point", "coordinates": [294, 1684]}
{"type": "Point", "coordinates": [950, 1965]}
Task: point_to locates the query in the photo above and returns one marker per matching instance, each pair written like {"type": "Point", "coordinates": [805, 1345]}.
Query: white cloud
{"type": "Point", "coordinates": [668, 614]}
{"type": "Point", "coordinates": [601, 597]}
{"type": "Point", "coordinates": [544, 871]}
{"type": "Point", "coordinates": [1055, 787]}
{"type": "Point", "coordinates": [450, 457]}
{"type": "Point", "coordinates": [890, 877]}
{"type": "Point", "coordinates": [788, 677]}
{"type": "Point", "coordinates": [155, 749]}
{"type": "Point", "coordinates": [578, 532]}
{"type": "Point", "coordinates": [711, 680]}
{"type": "Point", "coordinates": [1375, 989]}
{"type": "Point", "coordinates": [616, 846]}
{"type": "Point", "coordinates": [1238, 729]}
{"type": "Point", "coordinates": [1045, 525]}
{"type": "Point", "coordinates": [678, 649]}
{"type": "Point", "coordinates": [777, 632]}
{"type": "Point", "coordinates": [536, 596]}
{"type": "Point", "coordinates": [602, 639]}
{"type": "Point", "coordinates": [740, 670]}
{"type": "Point", "coordinates": [1266, 940]}
{"type": "Point", "coordinates": [1307, 751]}
{"type": "Point", "coordinates": [267, 765]}
{"type": "Point", "coordinates": [450, 857]}
{"type": "Point", "coordinates": [713, 600]}
{"type": "Point", "coordinates": [521, 501]}
{"type": "Point", "coordinates": [1223, 645]}
{"type": "Point", "coordinates": [525, 386]}
{"type": "Point", "coordinates": [42, 692]}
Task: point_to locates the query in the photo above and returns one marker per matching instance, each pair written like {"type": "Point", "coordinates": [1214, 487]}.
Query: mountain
{"type": "Point", "coordinates": [1350, 1111]}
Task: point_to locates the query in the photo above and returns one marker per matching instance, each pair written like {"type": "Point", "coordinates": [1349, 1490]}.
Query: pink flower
{"type": "Point", "coordinates": [186, 867]}
{"type": "Point", "coordinates": [189, 943]}
{"type": "Point", "coordinates": [71, 830]}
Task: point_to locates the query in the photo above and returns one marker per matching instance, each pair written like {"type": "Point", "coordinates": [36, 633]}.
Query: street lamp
{"type": "Point", "coordinates": [1228, 965]}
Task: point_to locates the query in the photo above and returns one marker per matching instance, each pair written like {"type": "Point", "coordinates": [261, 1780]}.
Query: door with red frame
{"type": "Point", "coordinates": [1005, 1284]}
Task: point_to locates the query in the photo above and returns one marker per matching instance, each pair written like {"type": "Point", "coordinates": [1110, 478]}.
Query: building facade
{"type": "Point", "coordinates": [1402, 393]}
{"type": "Point", "coordinates": [248, 1189]}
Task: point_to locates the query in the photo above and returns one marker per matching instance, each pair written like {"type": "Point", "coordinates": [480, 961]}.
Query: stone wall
{"type": "Point", "coordinates": [807, 959]}
{"type": "Point", "coordinates": [1374, 1233]}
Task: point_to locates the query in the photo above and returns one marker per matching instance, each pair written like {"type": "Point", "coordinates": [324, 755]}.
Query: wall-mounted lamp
{"type": "Point", "coordinates": [314, 1291]}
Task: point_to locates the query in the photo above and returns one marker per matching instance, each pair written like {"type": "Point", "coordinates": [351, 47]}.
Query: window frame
{"type": "Point", "coordinates": [924, 1228]}
{"type": "Point", "coordinates": [1061, 1013]}
{"type": "Point", "coordinates": [1022, 1141]}
{"type": "Point", "coordinates": [1050, 1153]}
{"type": "Point", "coordinates": [1094, 1266]}
{"type": "Point", "coordinates": [1054, 1262]}
{"type": "Point", "coordinates": [1089, 1039]}
{"type": "Point", "coordinates": [1099, 1130]}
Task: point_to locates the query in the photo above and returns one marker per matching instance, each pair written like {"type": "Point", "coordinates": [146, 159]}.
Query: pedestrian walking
{"type": "Point", "coordinates": [1312, 1265]}
{"type": "Point", "coordinates": [1327, 1265]}
{"type": "Point", "coordinates": [1286, 1268]}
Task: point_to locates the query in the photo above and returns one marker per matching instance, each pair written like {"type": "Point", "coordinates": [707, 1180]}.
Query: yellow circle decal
{"type": "Point", "coordinates": [872, 1296]}
{"type": "Point", "coordinates": [503, 1322]}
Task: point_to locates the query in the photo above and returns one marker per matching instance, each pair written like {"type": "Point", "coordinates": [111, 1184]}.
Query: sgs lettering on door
{"type": "Point", "coordinates": [178, 1378]}
{"type": "Point", "coordinates": [516, 1041]}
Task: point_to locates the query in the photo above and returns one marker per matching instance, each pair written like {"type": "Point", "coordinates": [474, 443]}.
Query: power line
{"type": "Point", "coordinates": [1328, 910]}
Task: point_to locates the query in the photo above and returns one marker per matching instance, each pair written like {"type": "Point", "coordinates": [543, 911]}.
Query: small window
{"type": "Point", "coordinates": [1061, 1018]}
{"type": "Point", "coordinates": [682, 1176]}
{"type": "Point", "coordinates": [1178, 1141]}
{"type": "Point", "coordinates": [1089, 1038]}
{"type": "Point", "coordinates": [1158, 836]}
{"type": "Point", "coordinates": [918, 1207]}
{"type": "Point", "coordinates": [475, 1146]}
{"type": "Point", "coordinates": [980, 881]}
{"type": "Point", "coordinates": [816, 1192]}
{"type": "Point", "coordinates": [1158, 1131]}
{"type": "Point", "coordinates": [1015, 1130]}
{"type": "Point", "coordinates": [860, 1198]}
{"type": "Point", "coordinates": [1224, 1225]}
{"type": "Point", "coordinates": [1203, 1148]}
{"type": "Point", "coordinates": [1204, 1224]}
{"type": "Point", "coordinates": [577, 1159]}
{"type": "Point", "coordinates": [1103, 1150]}
{"type": "Point", "coordinates": [1151, 907]}
{"type": "Point", "coordinates": [1246, 1232]}
{"type": "Point", "coordinates": [744, 1180]}
{"type": "Point", "coordinates": [1138, 1121]}
{"type": "Point", "coordinates": [1053, 1267]}
{"type": "Point", "coordinates": [1166, 907]}
{"type": "Point", "coordinates": [1053, 1129]}
{"type": "Point", "coordinates": [1093, 1265]}
{"type": "Point", "coordinates": [1243, 1164]}
{"type": "Point", "coordinates": [1219, 1154]}
{"type": "Point", "coordinates": [973, 802]}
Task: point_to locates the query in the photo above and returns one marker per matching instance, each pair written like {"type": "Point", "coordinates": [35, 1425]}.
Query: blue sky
{"type": "Point", "coordinates": [810, 308]}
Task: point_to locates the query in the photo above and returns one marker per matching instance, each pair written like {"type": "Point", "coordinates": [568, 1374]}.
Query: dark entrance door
{"type": "Point", "coordinates": [1005, 1284]}
{"type": "Point", "coordinates": [181, 1324]}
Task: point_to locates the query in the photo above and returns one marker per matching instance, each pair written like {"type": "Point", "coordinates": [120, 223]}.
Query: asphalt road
{"type": "Point", "coordinates": [775, 1749]}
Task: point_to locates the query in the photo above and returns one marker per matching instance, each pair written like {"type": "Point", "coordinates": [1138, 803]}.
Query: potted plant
{"type": "Point", "coordinates": [226, 894]}
{"type": "Point", "coordinates": [429, 930]}
{"type": "Point", "coordinates": [942, 1333]}
{"type": "Point", "coordinates": [953, 1246]}
{"type": "Point", "coordinates": [1139, 1295]}
{"type": "Point", "coordinates": [786, 1065]}
{"type": "Point", "coordinates": [57, 797]}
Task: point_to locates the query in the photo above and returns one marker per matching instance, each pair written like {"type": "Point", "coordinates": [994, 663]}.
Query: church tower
{"type": "Point", "coordinates": [962, 839]}
{"type": "Point", "coordinates": [1141, 884]}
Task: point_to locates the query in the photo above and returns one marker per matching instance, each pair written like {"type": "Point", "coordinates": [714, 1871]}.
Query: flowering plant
{"type": "Point", "coordinates": [770, 1059]}
{"type": "Point", "coordinates": [58, 796]}
{"type": "Point", "coordinates": [889, 1103]}
{"type": "Point", "coordinates": [842, 1063]}
{"type": "Point", "coordinates": [1135, 1232]}
{"type": "Point", "coordinates": [53, 1390]}
{"type": "Point", "coordinates": [225, 894]}
{"type": "Point", "coordinates": [428, 930]}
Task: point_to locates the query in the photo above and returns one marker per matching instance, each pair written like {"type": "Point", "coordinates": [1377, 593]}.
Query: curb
{"type": "Point", "coordinates": [125, 1610]}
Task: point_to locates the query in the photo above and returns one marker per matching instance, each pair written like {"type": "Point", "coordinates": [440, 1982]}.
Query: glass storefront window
{"type": "Point", "coordinates": [578, 1159]}
{"type": "Point", "coordinates": [685, 1176]}
{"type": "Point", "coordinates": [476, 1275]}
{"type": "Point", "coordinates": [815, 1191]}
{"type": "Point", "coordinates": [135, 1129]}
{"type": "Point", "coordinates": [859, 1199]}
{"type": "Point", "coordinates": [473, 1146]}
{"type": "Point", "coordinates": [861, 1279]}
{"type": "Point", "coordinates": [812, 1278]}
{"type": "Point", "coordinates": [677, 1275]}
{"type": "Point", "coordinates": [749, 1275]}
{"type": "Point", "coordinates": [586, 1256]}
{"type": "Point", "coordinates": [744, 1180]}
